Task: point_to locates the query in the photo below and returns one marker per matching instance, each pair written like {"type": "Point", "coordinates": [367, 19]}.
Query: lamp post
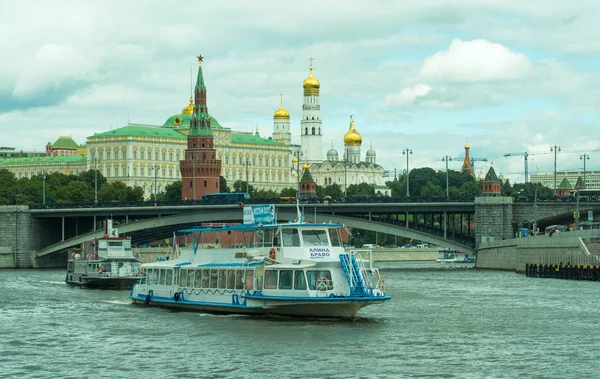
{"type": "Point", "coordinates": [345, 174]}
{"type": "Point", "coordinates": [446, 159]}
{"type": "Point", "coordinates": [535, 214]}
{"type": "Point", "coordinates": [155, 167]}
{"type": "Point", "coordinates": [577, 210]}
{"type": "Point", "coordinates": [247, 193]}
{"type": "Point", "coordinates": [44, 189]}
{"type": "Point", "coordinates": [584, 158]}
{"type": "Point", "coordinates": [297, 169]}
{"type": "Point", "coordinates": [407, 152]}
{"type": "Point", "coordinates": [194, 175]}
{"type": "Point", "coordinates": [556, 149]}
{"type": "Point", "coordinates": [95, 180]}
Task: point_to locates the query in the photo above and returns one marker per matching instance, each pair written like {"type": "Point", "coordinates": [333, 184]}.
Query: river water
{"type": "Point", "coordinates": [443, 321]}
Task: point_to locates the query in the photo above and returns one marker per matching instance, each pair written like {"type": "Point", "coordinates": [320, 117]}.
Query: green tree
{"type": "Point", "coordinates": [76, 191]}
{"type": "Point", "coordinates": [8, 187]}
{"type": "Point", "coordinates": [432, 190]}
{"type": "Point", "coordinates": [470, 190]}
{"type": "Point", "coordinates": [119, 192]}
{"type": "Point", "coordinates": [288, 192]}
{"type": "Point", "coordinates": [223, 184]}
{"type": "Point", "coordinates": [419, 177]}
{"type": "Point", "coordinates": [240, 186]}
{"type": "Point", "coordinates": [362, 189]}
{"type": "Point", "coordinates": [173, 191]}
{"type": "Point", "coordinates": [265, 194]}
{"type": "Point", "coordinates": [334, 190]}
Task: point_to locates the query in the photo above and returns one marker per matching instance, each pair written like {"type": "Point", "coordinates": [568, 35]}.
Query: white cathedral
{"type": "Point", "coordinates": [351, 169]}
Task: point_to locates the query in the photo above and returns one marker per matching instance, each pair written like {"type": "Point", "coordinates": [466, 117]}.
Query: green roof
{"type": "Point", "coordinates": [141, 131]}
{"type": "Point", "coordinates": [252, 139]}
{"type": "Point", "coordinates": [565, 184]}
{"type": "Point", "coordinates": [306, 177]}
{"type": "Point", "coordinates": [39, 160]}
{"type": "Point", "coordinates": [491, 176]}
{"type": "Point", "coordinates": [65, 143]}
{"type": "Point", "coordinates": [182, 121]}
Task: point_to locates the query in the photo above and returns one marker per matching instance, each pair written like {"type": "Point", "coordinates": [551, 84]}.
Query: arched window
{"type": "Point", "coordinates": [313, 131]}
{"type": "Point", "coordinates": [306, 129]}
{"type": "Point", "coordinates": [205, 184]}
{"type": "Point", "coordinates": [191, 183]}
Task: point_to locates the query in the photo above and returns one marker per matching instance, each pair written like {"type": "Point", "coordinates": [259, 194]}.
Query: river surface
{"type": "Point", "coordinates": [443, 321]}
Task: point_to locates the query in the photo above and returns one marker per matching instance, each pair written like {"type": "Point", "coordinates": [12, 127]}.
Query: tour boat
{"type": "Point", "coordinates": [453, 256]}
{"type": "Point", "coordinates": [106, 262]}
{"type": "Point", "coordinates": [291, 269]}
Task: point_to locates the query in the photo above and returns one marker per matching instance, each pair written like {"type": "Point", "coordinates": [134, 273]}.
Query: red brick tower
{"type": "Point", "coordinates": [200, 170]}
{"type": "Point", "coordinates": [491, 183]}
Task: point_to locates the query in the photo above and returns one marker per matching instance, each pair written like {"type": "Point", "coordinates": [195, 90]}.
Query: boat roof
{"type": "Point", "coordinates": [250, 227]}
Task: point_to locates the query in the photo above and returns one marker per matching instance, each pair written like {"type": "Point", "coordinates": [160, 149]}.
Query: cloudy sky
{"type": "Point", "coordinates": [508, 75]}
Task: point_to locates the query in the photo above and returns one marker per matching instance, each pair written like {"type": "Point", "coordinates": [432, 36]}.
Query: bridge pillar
{"type": "Point", "coordinates": [20, 236]}
{"type": "Point", "coordinates": [493, 218]}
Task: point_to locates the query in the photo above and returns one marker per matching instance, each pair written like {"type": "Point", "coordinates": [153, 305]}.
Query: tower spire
{"type": "Point", "coordinates": [200, 120]}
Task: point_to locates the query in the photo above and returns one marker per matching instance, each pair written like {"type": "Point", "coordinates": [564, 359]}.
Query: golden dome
{"type": "Point", "coordinates": [311, 83]}
{"type": "Point", "coordinates": [352, 137]}
{"type": "Point", "coordinates": [281, 112]}
{"type": "Point", "coordinates": [467, 145]}
{"type": "Point", "coordinates": [305, 166]}
{"type": "Point", "coordinates": [190, 108]}
{"type": "Point", "coordinates": [294, 160]}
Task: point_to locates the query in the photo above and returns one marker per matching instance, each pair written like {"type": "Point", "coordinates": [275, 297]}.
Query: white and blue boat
{"type": "Point", "coordinates": [292, 269]}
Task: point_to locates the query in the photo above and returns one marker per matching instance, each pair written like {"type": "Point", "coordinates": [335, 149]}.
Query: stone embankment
{"type": "Point", "coordinates": [577, 247]}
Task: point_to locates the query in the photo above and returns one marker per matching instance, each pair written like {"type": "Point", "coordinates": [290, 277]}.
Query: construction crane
{"type": "Point", "coordinates": [526, 154]}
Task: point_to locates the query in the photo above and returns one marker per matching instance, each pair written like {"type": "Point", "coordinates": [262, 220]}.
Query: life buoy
{"type": "Point", "coordinates": [322, 284]}
{"type": "Point", "coordinates": [272, 254]}
{"type": "Point", "coordinates": [100, 269]}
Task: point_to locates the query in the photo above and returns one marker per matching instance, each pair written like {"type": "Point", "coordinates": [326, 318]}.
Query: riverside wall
{"type": "Point", "coordinates": [577, 247]}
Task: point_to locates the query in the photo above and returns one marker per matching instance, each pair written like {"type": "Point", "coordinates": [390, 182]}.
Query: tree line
{"type": "Point", "coordinates": [57, 188]}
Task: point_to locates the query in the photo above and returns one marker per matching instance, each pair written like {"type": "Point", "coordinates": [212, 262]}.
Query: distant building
{"type": "Point", "coordinates": [491, 185]}
{"type": "Point", "coordinates": [64, 145]}
{"type": "Point", "coordinates": [564, 188]}
{"type": "Point", "coordinates": [591, 179]}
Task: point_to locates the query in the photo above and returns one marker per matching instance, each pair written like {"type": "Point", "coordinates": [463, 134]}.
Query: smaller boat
{"type": "Point", "coordinates": [106, 262]}
{"type": "Point", "coordinates": [453, 256]}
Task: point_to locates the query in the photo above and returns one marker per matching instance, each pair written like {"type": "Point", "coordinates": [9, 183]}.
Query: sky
{"type": "Point", "coordinates": [508, 76]}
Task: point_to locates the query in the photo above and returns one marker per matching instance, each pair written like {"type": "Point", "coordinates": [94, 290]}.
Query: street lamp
{"type": "Point", "coordinates": [407, 152]}
{"type": "Point", "coordinates": [95, 160]}
{"type": "Point", "coordinates": [556, 149]}
{"type": "Point", "coordinates": [584, 158]}
{"type": "Point", "coordinates": [155, 168]}
{"type": "Point", "coordinates": [44, 189]}
{"type": "Point", "coordinates": [247, 173]}
{"type": "Point", "coordinates": [446, 159]}
{"type": "Point", "coordinates": [297, 169]}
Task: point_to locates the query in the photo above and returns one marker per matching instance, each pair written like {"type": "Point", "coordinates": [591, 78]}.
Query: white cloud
{"type": "Point", "coordinates": [407, 96]}
{"type": "Point", "coordinates": [475, 61]}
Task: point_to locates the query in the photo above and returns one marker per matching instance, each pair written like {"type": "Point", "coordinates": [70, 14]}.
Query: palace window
{"type": "Point", "coordinates": [164, 155]}
{"type": "Point", "coordinates": [134, 154]}
{"type": "Point", "coordinates": [155, 154]}
{"type": "Point", "coordinates": [170, 155]}
{"type": "Point", "coordinates": [107, 155]}
{"type": "Point", "coordinates": [149, 155]}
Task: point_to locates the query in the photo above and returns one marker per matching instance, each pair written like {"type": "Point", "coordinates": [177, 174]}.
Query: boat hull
{"type": "Point", "coordinates": [340, 308]}
{"type": "Point", "coordinates": [118, 283]}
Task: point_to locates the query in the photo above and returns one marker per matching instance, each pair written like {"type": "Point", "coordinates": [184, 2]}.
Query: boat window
{"type": "Point", "coordinates": [285, 279]}
{"type": "Point", "coordinates": [291, 237]}
{"type": "Point", "coordinates": [169, 277]}
{"type": "Point", "coordinates": [299, 280]}
{"type": "Point", "coordinates": [334, 236]}
{"type": "Point", "coordinates": [239, 279]}
{"type": "Point", "coordinates": [175, 276]}
{"type": "Point", "coordinates": [183, 279]}
{"type": "Point", "coordinates": [161, 276]}
{"type": "Point", "coordinates": [222, 278]}
{"type": "Point", "coordinates": [314, 276]}
{"type": "Point", "coordinates": [198, 279]}
{"type": "Point", "coordinates": [315, 238]}
{"type": "Point", "coordinates": [213, 278]}
{"type": "Point", "coordinates": [249, 280]}
{"type": "Point", "coordinates": [205, 278]}
{"type": "Point", "coordinates": [106, 267]}
{"type": "Point", "coordinates": [190, 278]}
{"type": "Point", "coordinates": [230, 279]}
{"type": "Point", "coordinates": [154, 276]}
{"type": "Point", "coordinates": [115, 243]}
{"type": "Point", "coordinates": [270, 279]}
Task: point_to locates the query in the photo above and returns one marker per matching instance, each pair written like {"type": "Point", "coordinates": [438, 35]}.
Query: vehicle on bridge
{"type": "Point", "coordinates": [107, 262]}
{"type": "Point", "coordinates": [292, 269]}
{"type": "Point", "coordinates": [226, 197]}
